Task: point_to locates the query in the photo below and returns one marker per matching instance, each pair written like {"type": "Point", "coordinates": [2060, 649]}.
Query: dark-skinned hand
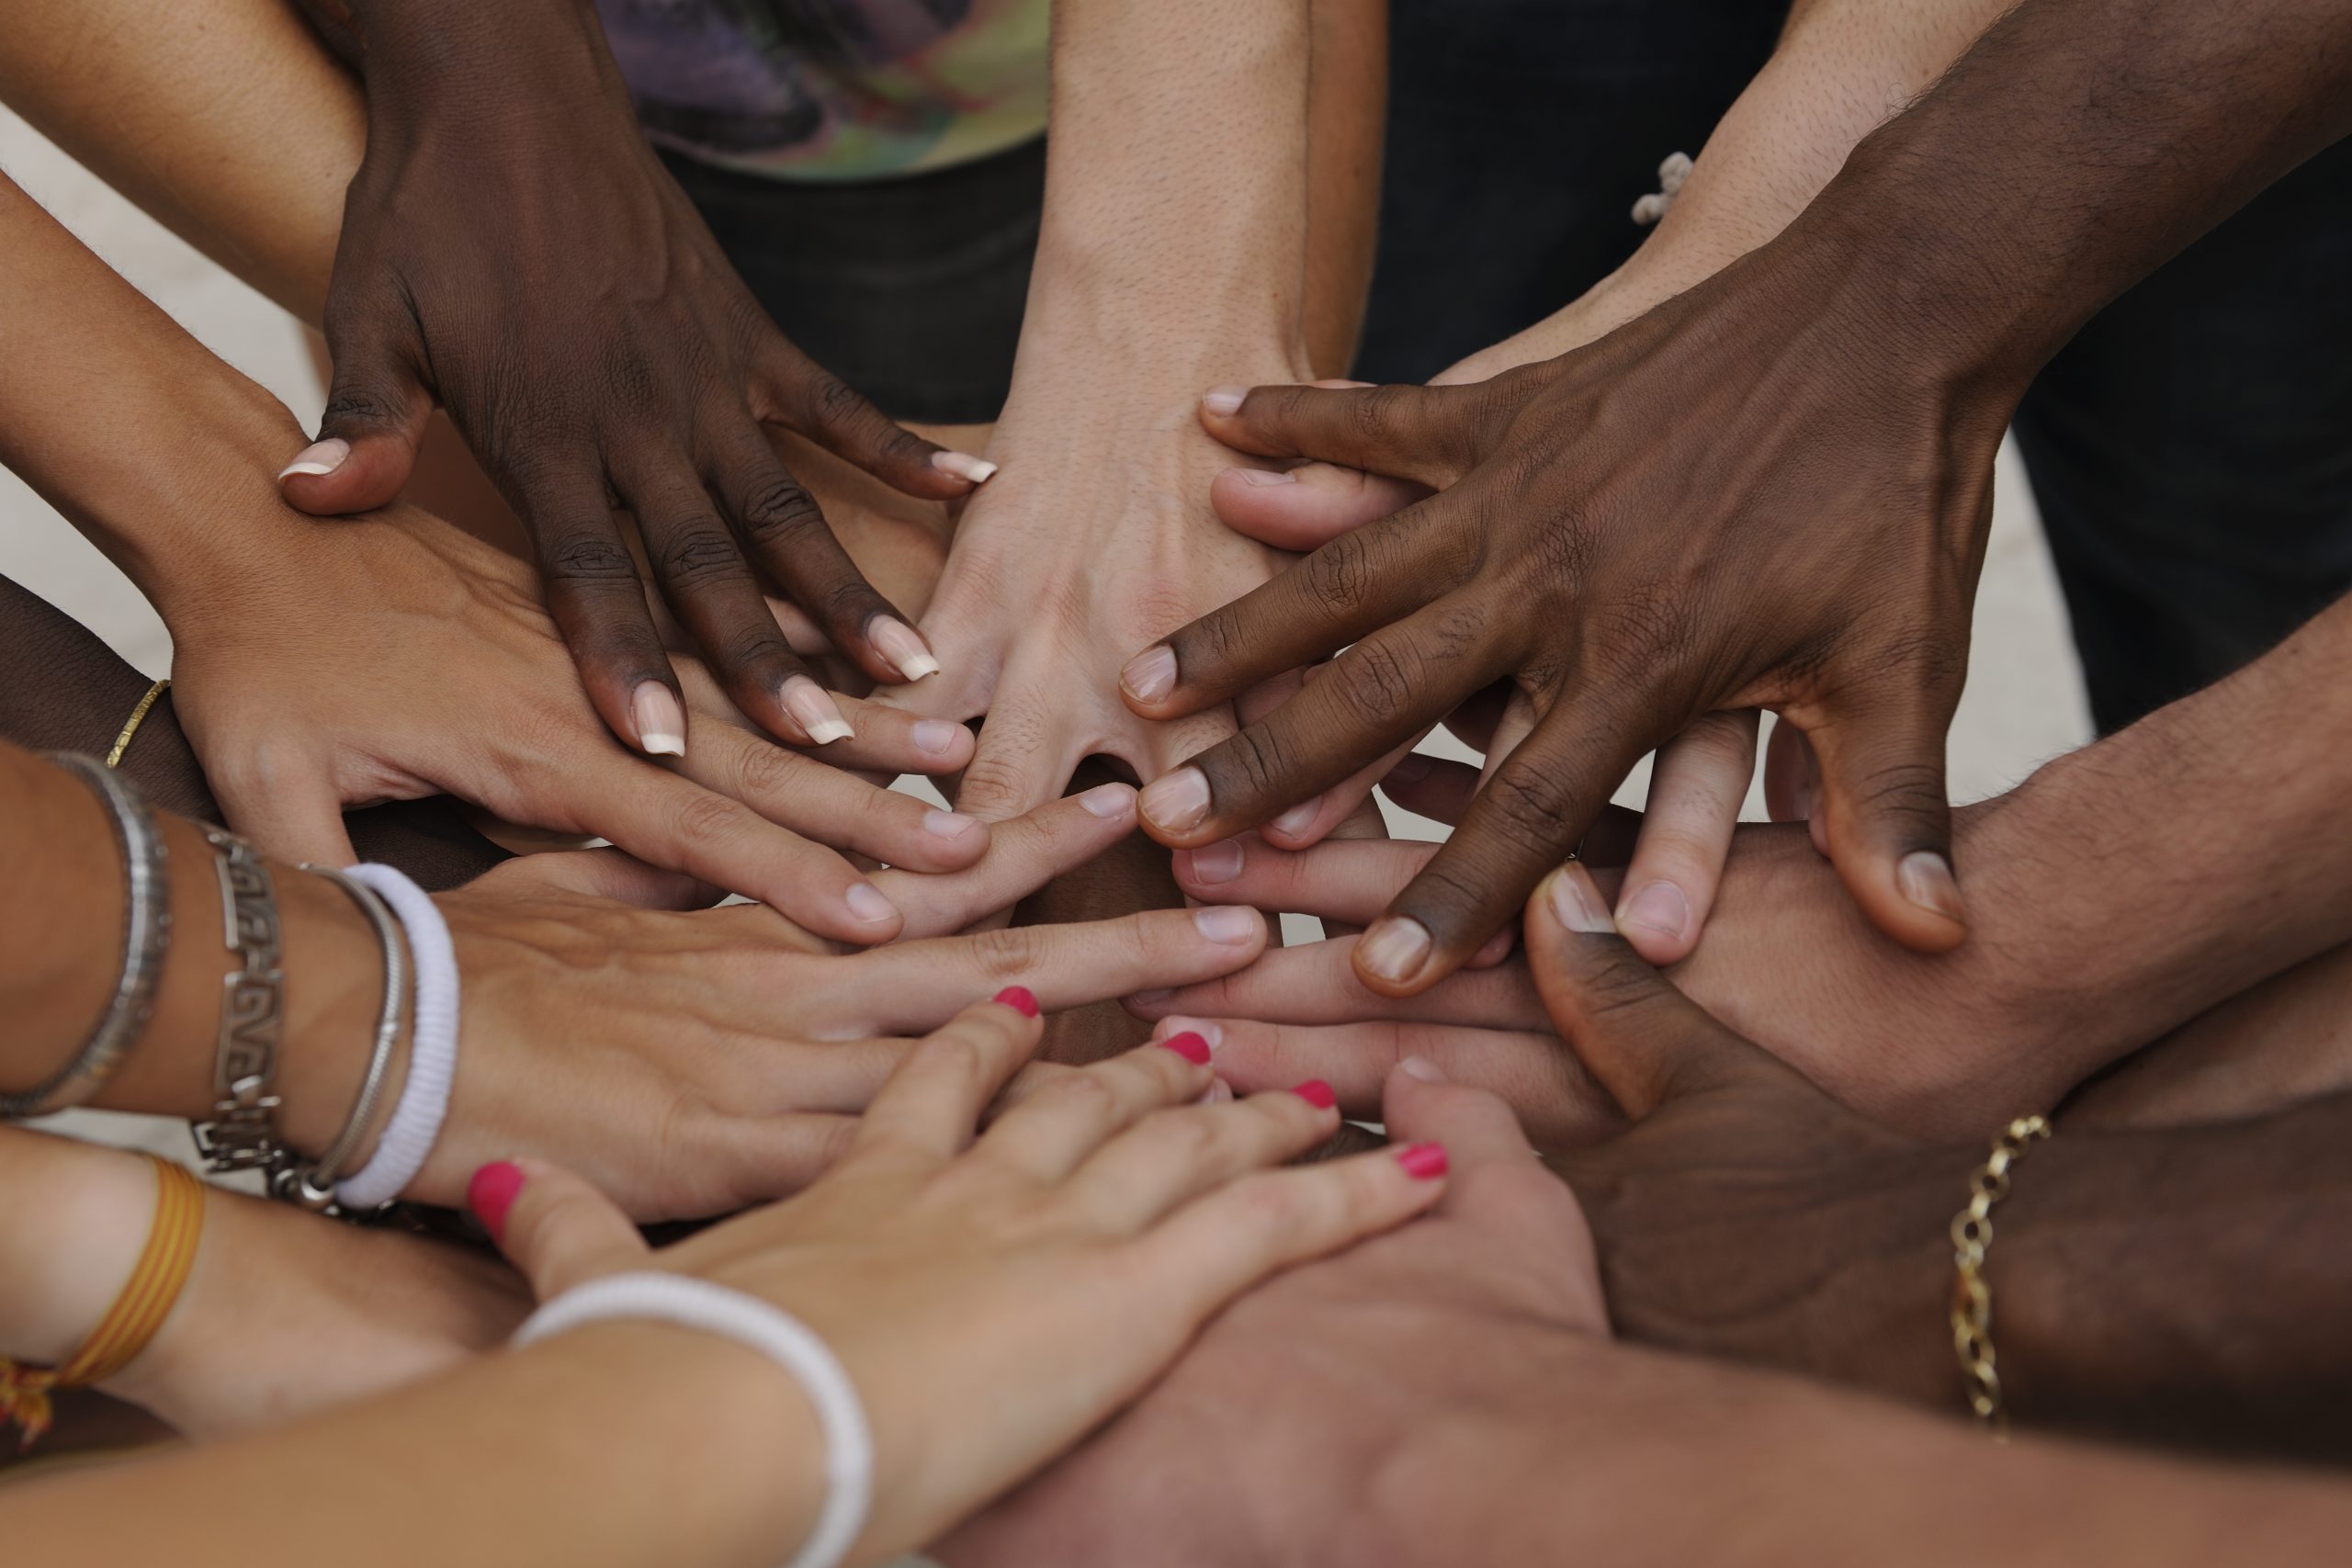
{"type": "Point", "coordinates": [1762, 493]}
{"type": "Point", "coordinates": [512, 247]}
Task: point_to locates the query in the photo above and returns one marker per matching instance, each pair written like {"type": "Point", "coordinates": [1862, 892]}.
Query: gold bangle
{"type": "Point", "coordinates": [145, 1301]}
{"type": "Point", "coordinates": [138, 715]}
{"type": "Point", "coordinates": [1972, 1299]}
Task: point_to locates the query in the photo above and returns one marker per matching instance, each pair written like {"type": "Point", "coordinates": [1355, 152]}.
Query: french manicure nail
{"type": "Point", "coordinates": [660, 721]}
{"type": "Point", "coordinates": [1227, 923]}
{"type": "Point", "coordinates": [1020, 999]}
{"type": "Point", "coordinates": [948, 824]}
{"type": "Point", "coordinates": [1151, 674]}
{"type": "Point", "coordinates": [1660, 908]}
{"type": "Point", "coordinates": [937, 736]}
{"type": "Point", "coordinates": [1395, 949]}
{"type": "Point", "coordinates": [867, 902]}
{"type": "Point", "coordinates": [1212, 864]}
{"type": "Point", "coordinates": [1220, 1093]}
{"type": "Point", "coordinates": [1421, 1068]}
{"type": "Point", "coordinates": [898, 642]}
{"type": "Point", "coordinates": [1298, 818]}
{"type": "Point", "coordinates": [318, 457]}
{"type": "Point", "coordinates": [1224, 399]}
{"type": "Point", "coordinates": [1207, 1029]}
{"type": "Point", "coordinates": [1423, 1162]}
{"type": "Point", "coordinates": [1317, 1093]}
{"type": "Point", "coordinates": [1108, 801]}
{"type": "Point", "coordinates": [1178, 802]}
{"type": "Point", "coordinates": [1574, 903]}
{"type": "Point", "coordinates": [1150, 998]}
{"type": "Point", "coordinates": [808, 703]}
{"type": "Point", "coordinates": [1926, 879]}
{"type": "Point", "coordinates": [492, 1193]}
{"type": "Point", "coordinates": [964, 466]}
{"type": "Point", "coordinates": [1267, 476]}
{"type": "Point", "coordinates": [1191, 1047]}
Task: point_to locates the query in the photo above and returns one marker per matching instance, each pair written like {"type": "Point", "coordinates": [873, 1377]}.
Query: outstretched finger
{"type": "Point", "coordinates": [1429, 435]}
{"type": "Point", "coordinates": [1889, 818]}
{"type": "Point", "coordinates": [1023, 855]}
{"type": "Point", "coordinates": [819, 405]}
{"type": "Point", "coordinates": [931, 1107]}
{"type": "Point", "coordinates": [593, 591]}
{"type": "Point", "coordinates": [1306, 507]}
{"type": "Point", "coordinates": [557, 1228]}
{"type": "Point", "coordinates": [1697, 784]}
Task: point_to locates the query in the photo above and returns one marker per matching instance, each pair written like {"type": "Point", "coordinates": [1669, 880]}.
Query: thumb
{"type": "Point", "coordinates": [1644, 1040]}
{"type": "Point", "coordinates": [556, 1228]}
{"type": "Point", "coordinates": [1429, 436]}
{"type": "Point", "coordinates": [1889, 819]}
{"type": "Point", "coordinates": [1305, 508]}
{"type": "Point", "coordinates": [377, 409]}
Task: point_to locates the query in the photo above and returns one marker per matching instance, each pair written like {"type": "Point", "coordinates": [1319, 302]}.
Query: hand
{"type": "Point", "coordinates": [1293, 1405]}
{"type": "Point", "coordinates": [512, 246]}
{"type": "Point", "coordinates": [395, 656]}
{"type": "Point", "coordinates": [993, 1299]}
{"type": "Point", "coordinates": [1544, 562]}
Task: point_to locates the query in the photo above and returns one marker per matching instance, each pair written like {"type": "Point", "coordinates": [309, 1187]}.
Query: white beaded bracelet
{"type": "Point", "coordinates": [749, 1320]}
{"type": "Point", "coordinates": [409, 1136]}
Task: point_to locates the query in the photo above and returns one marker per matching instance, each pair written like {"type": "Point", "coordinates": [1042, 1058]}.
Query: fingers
{"type": "Point", "coordinates": [1429, 435]}
{"type": "Point", "coordinates": [932, 1104]}
{"type": "Point", "coordinates": [826, 411]}
{"type": "Point", "coordinates": [1175, 1156]}
{"type": "Point", "coordinates": [1535, 809]}
{"type": "Point", "coordinates": [1023, 855]}
{"type": "Point", "coordinates": [1306, 507]}
{"type": "Point", "coordinates": [1068, 1117]}
{"type": "Point", "coordinates": [556, 1228]}
{"type": "Point", "coordinates": [1890, 820]}
{"type": "Point", "coordinates": [1316, 983]}
{"type": "Point", "coordinates": [593, 591]}
{"type": "Point", "coordinates": [1436, 787]}
{"type": "Point", "coordinates": [1696, 787]}
{"type": "Point", "coordinates": [1646, 1042]}
{"type": "Point", "coordinates": [911, 984]}
{"type": "Point", "coordinates": [289, 806]}
{"type": "Point", "coordinates": [1022, 761]}
{"type": "Point", "coordinates": [375, 417]}
{"type": "Point", "coordinates": [605, 874]}
{"type": "Point", "coordinates": [831, 806]}
{"type": "Point", "coordinates": [1350, 880]}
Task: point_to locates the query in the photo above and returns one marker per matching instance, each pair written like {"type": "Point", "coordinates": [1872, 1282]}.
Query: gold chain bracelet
{"type": "Point", "coordinates": [1972, 1299]}
{"type": "Point", "coordinates": [138, 716]}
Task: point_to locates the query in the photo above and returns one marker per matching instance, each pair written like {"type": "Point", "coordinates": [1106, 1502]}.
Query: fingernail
{"type": "Point", "coordinates": [1421, 1068]}
{"type": "Point", "coordinates": [491, 1192]}
{"type": "Point", "coordinates": [1207, 1029]}
{"type": "Point", "coordinates": [1298, 818]}
{"type": "Point", "coordinates": [318, 457]}
{"type": "Point", "coordinates": [1178, 802]}
{"type": "Point", "coordinates": [1423, 1162]}
{"type": "Point", "coordinates": [1412, 768]}
{"type": "Point", "coordinates": [1660, 907]}
{"type": "Point", "coordinates": [948, 824]}
{"type": "Point", "coordinates": [1150, 998]}
{"type": "Point", "coordinates": [937, 736]}
{"type": "Point", "coordinates": [898, 643]}
{"type": "Point", "coordinates": [1108, 801]}
{"type": "Point", "coordinates": [808, 703]}
{"type": "Point", "coordinates": [1220, 1093]}
{"type": "Point", "coordinates": [1020, 999]}
{"type": "Point", "coordinates": [865, 901]}
{"type": "Point", "coordinates": [1395, 949]}
{"type": "Point", "coordinates": [1191, 1047]}
{"type": "Point", "coordinates": [1211, 864]}
{"type": "Point", "coordinates": [1317, 1093]}
{"type": "Point", "coordinates": [1227, 923]}
{"type": "Point", "coordinates": [1224, 399]}
{"type": "Point", "coordinates": [1574, 905]}
{"type": "Point", "coordinates": [1926, 879]}
{"type": "Point", "coordinates": [660, 721]}
{"type": "Point", "coordinates": [1151, 674]}
{"type": "Point", "coordinates": [964, 466]}
{"type": "Point", "coordinates": [1266, 476]}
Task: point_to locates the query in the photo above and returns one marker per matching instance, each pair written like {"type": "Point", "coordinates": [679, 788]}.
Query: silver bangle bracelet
{"type": "Point", "coordinates": [146, 935]}
{"type": "Point", "coordinates": [310, 1184]}
{"type": "Point", "coordinates": [242, 1134]}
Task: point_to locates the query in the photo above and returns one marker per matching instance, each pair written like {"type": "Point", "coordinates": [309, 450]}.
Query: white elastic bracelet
{"type": "Point", "coordinates": [747, 1320]}
{"type": "Point", "coordinates": [409, 1136]}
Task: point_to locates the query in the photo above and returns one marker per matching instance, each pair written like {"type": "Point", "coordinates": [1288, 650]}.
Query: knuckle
{"type": "Point", "coordinates": [1084, 1094]}
{"type": "Point", "coordinates": [950, 1053]}
{"type": "Point", "coordinates": [833, 402]}
{"type": "Point", "coordinates": [586, 555]}
{"type": "Point", "coordinates": [1342, 576]}
{"type": "Point", "coordinates": [1260, 756]}
{"type": "Point", "coordinates": [697, 553]}
{"type": "Point", "coordinates": [1184, 1138]}
{"type": "Point", "coordinates": [707, 819]}
{"type": "Point", "coordinates": [1528, 807]}
{"type": "Point", "coordinates": [765, 772]}
{"type": "Point", "coordinates": [780, 513]}
{"type": "Point", "coordinates": [1008, 953]}
{"type": "Point", "coordinates": [1376, 681]}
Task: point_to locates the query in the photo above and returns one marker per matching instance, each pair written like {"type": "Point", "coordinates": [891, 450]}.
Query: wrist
{"type": "Point", "coordinates": [78, 1217]}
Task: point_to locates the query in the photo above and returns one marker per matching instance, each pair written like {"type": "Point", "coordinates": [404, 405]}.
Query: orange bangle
{"type": "Point", "coordinates": [147, 1298]}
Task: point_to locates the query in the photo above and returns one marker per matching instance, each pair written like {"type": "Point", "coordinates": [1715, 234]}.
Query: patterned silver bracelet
{"type": "Point", "coordinates": [310, 1184]}
{"type": "Point", "coordinates": [242, 1134]}
{"type": "Point", "coordinates": [147, 935]}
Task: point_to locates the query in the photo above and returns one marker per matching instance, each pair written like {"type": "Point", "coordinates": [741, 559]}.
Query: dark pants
{"type": "Point", "coordinates": [2191, 450]}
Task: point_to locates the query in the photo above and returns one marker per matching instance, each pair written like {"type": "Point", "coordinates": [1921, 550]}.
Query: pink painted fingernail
{"type": "Point", "coordinates": [1207, 1029]}
{"type": "Point", "coordinates": [1211, 864]}
{"type": "Point", "coordinates": [964, 466]}
{"type": "Point", "coordinates": [948, 824]}
{"type": "Point", "coordinates": [1575, 904]}
{"type": "Point", "coordinates": [1224, 399]}
{"type": "Point", "coordinates": [937, 736]}
{"type": "Point", "coordinates": [1151, 674]}
{"type": "Point", "coordinates": [898, 643]}
{"type": "Point", "coordinates": [809, 705]}
{"type": "Point", "coordinates": [1659, 908]}
{"type": "Point", "coordinates": [1423, 1162]}
{"type": "Point", "coordinates": [1227, 923]}
{"type": "Point", "coordinates": [1393, 949]}
{"type": "Point", "coordinates": [318, 457]}
{"type": "Point", "coordinates": [1267, 476]}
{"type": "Point", "coordinates": [1191, 1047]}
{"type": "Point", "coordinates": [1110, 801]}
{"type": "Point", "coordinates": [1317, 1093]}
{"type": "Point", "coordinates": [867, 902]}
{"type": "Point", "coordinates": [1020, 999]}
{"type": "Point", "coordinates": [1177, 803]}
{"type": "Point", "coordinates": [1298, 818]}
{"type": "Point", "coordinates": [492, 1193]}
{"type": "Point", "coordinates": [660, 721]}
